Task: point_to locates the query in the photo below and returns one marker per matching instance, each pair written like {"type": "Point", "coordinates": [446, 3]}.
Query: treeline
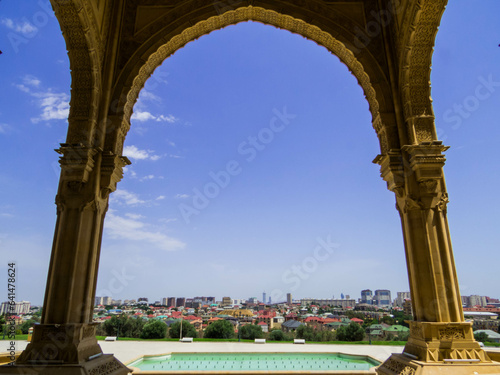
{"type": "Point", "coordinates": [124, 326]}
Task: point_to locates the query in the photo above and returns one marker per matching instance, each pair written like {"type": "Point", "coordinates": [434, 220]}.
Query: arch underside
{"type": "Point", "coordinates": [137, 75]}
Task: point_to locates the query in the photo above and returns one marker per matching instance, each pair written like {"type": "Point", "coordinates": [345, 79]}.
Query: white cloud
{"type": "Point", "coordinates": [161, 197]}
{"type": "Point", "coordinates": [144, 116]}
{"type": "Point", "coordinates": [148, 177]}
{"type": "Point", "coordinates": [170, 143]}
{"type": "Point", "coordinates": [182, 196]}
{"type": "Point", "coordinates": [23, 27]}
{"type": "Point", "coordinates": [135, 153]}
{"type": "Point", "coordinates": [168, 118]}
{"type": "Point", "coordinates": [146, 95]}
{"type": "Point", "coordinates": [54, 105]}
{"type": "Point", "coordinates": [126, 197]}
{"type": "Point", "coordinates": [134, 216]}
{"type": "Point", "coordinates": [131, 229]}
{"type": "Point", "coordinates": [31, 81]}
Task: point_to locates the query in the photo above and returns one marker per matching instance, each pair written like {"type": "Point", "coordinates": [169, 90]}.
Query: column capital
{"type": "Point", "coordinates": [77, 161]}
{"type": "Point", "coordinates": [426, 159]}
{"type": "Point", "coordinates": [392, 171]}
{"type": "Point", "coordinates": [111, 171]}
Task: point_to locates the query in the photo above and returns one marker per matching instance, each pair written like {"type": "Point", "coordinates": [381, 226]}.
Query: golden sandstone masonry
{"type": "Point", "coordinates": [115, 45]}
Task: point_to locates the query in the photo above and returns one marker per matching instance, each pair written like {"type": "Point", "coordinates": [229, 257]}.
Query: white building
{"type": "Point", "coordinates": [17, 308]}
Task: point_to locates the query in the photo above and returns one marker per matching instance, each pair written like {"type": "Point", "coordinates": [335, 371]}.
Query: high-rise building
{"type": "Point", "coordinates": [289, 298]}
{"type": "Point", "coordinates": [171, 302]}
{"type": "Point", "coordinates": [107, 301]}
{"type": "Point", "coordinates": [16, 308]}
{"type": "Point", "coordinates": [407, 308]}
{"type": "Point", "coordinates": [181, 301]}
{"type": "Point", "coordinates": [264, 297]}
{"type": "Point", "coordinates": [476, 300]}
{"type": "Point", "coordinates": [382, 298]}
{"type": "Point", "coordinates": [402, 296]}
{"type": "Point", "coordinates": [143, 300]}
{"type": "Point", "coordinates": [227, 301]}
{"type": "Point", "coordinates": [367, 296]}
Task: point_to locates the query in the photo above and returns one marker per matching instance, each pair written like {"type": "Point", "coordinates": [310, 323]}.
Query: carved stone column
{"type": "Point", "coordinates": [440, 339]}
{"type": "Point", "coordinates": [65, 341]}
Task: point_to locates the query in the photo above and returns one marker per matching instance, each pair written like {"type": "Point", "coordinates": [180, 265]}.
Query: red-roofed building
{"type": "Point", "coordinates": [264, 326]}
{"type": "Point", "coordinates": [310, 320]}
{"type": "Point", "coordinates": [356, 320]}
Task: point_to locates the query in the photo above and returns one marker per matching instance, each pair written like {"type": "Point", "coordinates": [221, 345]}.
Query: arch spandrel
{"type": "Point", "coordinates": [142, 66]}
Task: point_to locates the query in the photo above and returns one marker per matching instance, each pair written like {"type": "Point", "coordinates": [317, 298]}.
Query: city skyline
{"type": "Point", "coordinates": [251, 151]}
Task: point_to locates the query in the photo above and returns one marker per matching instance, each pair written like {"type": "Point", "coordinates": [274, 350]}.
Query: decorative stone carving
{"type": "Point", "coordinates": [412, 204]}
{"type": "Point", "coordinates": [451, 333]}
{"type": "Point", "coordinates": [77, 161]}
{"type": "Point", "coordinates": [106, 368]}
{"type": "Point", "coordinates": [398, 367]}
{"type": "Point", "coordinates": [443, 203]}
{"type": "Point", "coordinates": [428, 186]}
{"type": "Point", "coordinates": [111, 172]}
{"type": "Point", "coordinates": [416, 331]}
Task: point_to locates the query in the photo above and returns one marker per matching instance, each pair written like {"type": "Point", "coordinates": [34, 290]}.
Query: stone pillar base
{"type": "Point", "coordinates": [61, 343]}
{"type": "Point", "coordinates": [105, 364]}
{"type": "Point", "coordinates": [399, 364]}
{"type": "Point", "coordinates": [442, 342]}
{"type": "Point", "coordinates": [440, 348]}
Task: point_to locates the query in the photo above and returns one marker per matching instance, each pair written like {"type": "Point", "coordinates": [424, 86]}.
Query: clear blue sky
{"type": "Point", "coordinates": [308, 178]}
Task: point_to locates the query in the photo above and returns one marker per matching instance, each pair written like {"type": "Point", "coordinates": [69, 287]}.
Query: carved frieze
{"type": "Point", "coordinates": [398, 368]}
{"type": "Point", "coordinates": [451, 333]}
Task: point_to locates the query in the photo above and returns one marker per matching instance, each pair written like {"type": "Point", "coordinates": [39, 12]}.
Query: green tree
{"type": "Point", "coordinates": [220, 329]}
{"type": "Point", "coordinates": [251, 332]}
{"type": "Point", "coordinates": [188, 330]}
{"type": "Point", "coordinates": [156, 329]}
{"type": "Point", "coordinates": [305, 332]}
{"type": "Point", "coordinates": [278, 335]}
{"type": "Point", "coordinates": [481, 336]}
{"type": "Point", "coordinates": [352, 332]}
{"type": "Point", "coordinates": [26, 326]}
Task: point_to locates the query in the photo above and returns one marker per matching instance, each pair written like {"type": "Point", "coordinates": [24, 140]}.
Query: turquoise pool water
{"type": "Point", "coordinates": [255, 362]}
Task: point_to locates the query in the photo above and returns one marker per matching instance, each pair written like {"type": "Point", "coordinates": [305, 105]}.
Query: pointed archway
{"type": "Point", "coordinates": [115, 46]}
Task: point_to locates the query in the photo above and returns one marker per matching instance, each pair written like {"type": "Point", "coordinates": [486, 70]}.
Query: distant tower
{"type": "Point", "coordinates": [341, 295]}
{"type": "Point", "coordinates": [366, 296]}
{"type": "Point", "coordinates": [264, 297]}
{"type": "Point", "coordinates": [289, 298]}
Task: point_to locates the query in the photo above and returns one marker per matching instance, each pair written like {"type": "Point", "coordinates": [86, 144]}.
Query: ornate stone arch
{"type": "Point", "coordinates": [416, 50]}
{"type": "Point", "coordinates": [133, 80]}
{"type": "Point", "coordinates": [85, 47]}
